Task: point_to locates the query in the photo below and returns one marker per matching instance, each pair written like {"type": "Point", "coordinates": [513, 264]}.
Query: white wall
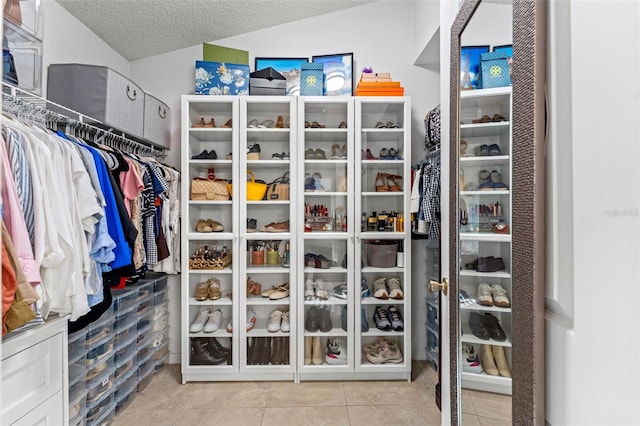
{"type": "Point", "coordinates": [67, 40]}
{"type": "Point", "coordinates": [380, 35]}
{"type": "Point", "coordinates": [593, 320]}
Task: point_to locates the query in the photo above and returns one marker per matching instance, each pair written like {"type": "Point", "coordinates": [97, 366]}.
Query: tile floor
{"type": "Point", "coordinates": [166, 402]}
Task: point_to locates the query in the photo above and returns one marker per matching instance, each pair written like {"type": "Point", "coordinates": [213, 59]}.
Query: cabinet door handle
{"type": "Point", "coordinates": [162, 112]}
{"type": "Point", "coordinates": [135, 94]}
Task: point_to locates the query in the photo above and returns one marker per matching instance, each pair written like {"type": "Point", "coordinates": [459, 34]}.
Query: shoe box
{"type": "Point", "coordinates": [115, 357]}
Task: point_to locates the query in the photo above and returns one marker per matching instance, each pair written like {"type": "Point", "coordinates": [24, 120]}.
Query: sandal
{"type": "Point", "coordinates": [228, 124]}
{"type": "Point", "coordinates": [484, 119]}
{"type": "Point", "coordinates": [395, 183]}
{"type": "Point", "coordinates": [211, 123]}
{"type": "Point", "coordinates": [381, 182]}
{"type": "Point", "coordinates": [266, 124]}
{"type": "Point", "coordinates": [200, 123]}
{"type": "Point", "coordinates": [498, 117]}
{"type": "Point", "coordinates": [253, 287]}
{"type": "Point", "coordinates": [214, 289]}
{"type": "Point", "coordinates": [392, 125]}
{"type": "Point", "coordinates": [202, 291]}
{"type": "Point", "coordinates": [253, 124]}
{"type": "Point", "coordinates": [380, 125]}
{"type": "Point", "coordinates": [335, 152]}
{"type": "Point", "coordinates": [481, 150]}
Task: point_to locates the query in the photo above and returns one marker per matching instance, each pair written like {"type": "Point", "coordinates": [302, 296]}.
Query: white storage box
{"type": "Point", "coordinates": [157, 121]}
{"type": "Point", "coordinates": [98, 92]}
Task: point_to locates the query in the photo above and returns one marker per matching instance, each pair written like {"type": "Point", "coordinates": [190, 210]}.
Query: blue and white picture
{"type": "Point", "coordinates": [338, 73]}
{"type": "Point", "coordinates": [470, 77]}
{"type": "Point", "coordinates": [218, 78]}
{"type": "Point", "coordinates": [290, 68]}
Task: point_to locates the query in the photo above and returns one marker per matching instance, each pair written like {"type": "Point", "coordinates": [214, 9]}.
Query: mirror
{"type": "Point", "coordinates": [495, 244]}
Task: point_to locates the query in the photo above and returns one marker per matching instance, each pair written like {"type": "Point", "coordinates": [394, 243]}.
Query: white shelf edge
{"type": "Point", "coordinates": [501, 192]}
{"type": "Point", "coordinates": [477, 307]}
{"type": "Point", "coordinates": [320, 235]}
{"type": "Point", "coordinates": [468, 337]}
{"type": "Point", "coordinates": [485, 158]}
{"type": "Point", "coordinates": [479, 93]}
{"type": "Point", "coordinates": [325, 194]}
{"type": "Point", "coordinates": [471, 273]}
{"type": "Point", "coordinates": [498, 238]}
{"type": "Point", "coordinates": [382, 193]}
{"type": "Point", "coordinates": [200, 236]}
{"type": "Point", "coordinates": [209, 202]}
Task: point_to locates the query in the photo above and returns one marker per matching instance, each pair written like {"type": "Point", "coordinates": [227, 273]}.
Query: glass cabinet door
{"type": "Point", "coordinates": [326, 296]}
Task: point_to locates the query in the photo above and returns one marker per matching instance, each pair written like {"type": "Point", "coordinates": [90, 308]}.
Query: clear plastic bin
{"type": "Point", "coordinates": [161, 363]}
{"type": "Point", "coordinates": [105, 416]}
{"type": "Point", "coordinates": [124, 400]}
{"type": "Point", "coordinates": [124, 300]}
{"type": "Point", "coordinates": [161, 351]}
{"type": "Point", "coordinates": [145, 378]}
{"type": "Point", "coordinates": [126, 384]}
{"type": "Point", "coordinates": [99, 367]}
{"type": "Point", "coordinates": [125, 351]}
{"type": "Point", "coordinates": [124, 319]}
{"type": "Point", "coordinates": [77, 343]}
{"type": "Point", "coordinates": [160, 297]}
{"type": "Point", "coordinates": [101, 350]}
{"type": "Point", "coordinates": [145, 305]}
{"type": "Point", "coordinates": [161, 323]}
{"type": "Point", "coordinates": [126, 336]}
{"type": "Point", "coordinates": [160, 337]}
{"type": "Point", "coordinates": [99, 386]}
{"type": "Point", "coordinates": [145, 289]}
{"type": "Point", "coordinates": [160, 310]}
{"type": "Point", "coordinates": [127, 365]}
{"type": "Point", "coordinates": [77, 405]}
{"type": "Point", "coordinates": [80, 419]}
{"type": "Point", "coordinates": [99, 330]}
{"type": "Point", "coordinates": [144, 357]}
{"type": "Point", "coordinates": [145, 323]}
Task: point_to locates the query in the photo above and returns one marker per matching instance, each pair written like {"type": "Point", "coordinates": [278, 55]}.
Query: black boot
{"type": "Point", "coordinates": [219, 350]}
{"type": "Point", "coordinates": [252, 351]}
{"type": "Point", "coordinates": [285, 351]}
{"type": "Point", "coordinates": [265, 352]}
{"type": "Point", "coordinates": [203, 354]}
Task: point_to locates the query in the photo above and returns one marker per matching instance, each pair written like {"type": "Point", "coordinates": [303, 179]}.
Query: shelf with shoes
{"type": "Point", "coordinates": [485, 235]}
{"type": "Point", "coordinates": [268, 129]}
{"type": "Point", "coordinates": [325, 238]}
{"type": "Point", "coordinates": [382, 242]}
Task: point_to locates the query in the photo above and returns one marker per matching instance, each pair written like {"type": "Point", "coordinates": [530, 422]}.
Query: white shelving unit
{"type": "Point", "coordinates": [370, 140]}
{"type": "Point", "coordinates": [328, 194]}
{"type": "Point", "coordinates": [477, 237]}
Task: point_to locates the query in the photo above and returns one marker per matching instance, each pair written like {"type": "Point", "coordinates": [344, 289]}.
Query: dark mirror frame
{"type": "Point", "coordinates": [528, 206]}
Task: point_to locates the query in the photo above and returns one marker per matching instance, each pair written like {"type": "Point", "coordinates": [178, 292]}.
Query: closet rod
{"type": "Point", "coordinates": [13, 97]}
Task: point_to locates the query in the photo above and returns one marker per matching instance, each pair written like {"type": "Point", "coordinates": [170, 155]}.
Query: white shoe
{"type": "Point", "coordinates": [499, 295]}
{"type": "Point", "coordinates": [336, 352]}
{"type": "Point", "coordinates": [380, 288]}
{"type": "Point", "coordinates": [484, 295]}
{"type": "Point", "coordinates": [213, 323]}
{"type": "Point", "coordinates": [395, 291]}
{"type": "Point", "coordinates": [470, 359]}
{"type": "Point", "coordinates": [275, 320]}
{"type": "Point", "coordinates": [285, 326]}
{"type": "Point", "coordinates": [198, 325]}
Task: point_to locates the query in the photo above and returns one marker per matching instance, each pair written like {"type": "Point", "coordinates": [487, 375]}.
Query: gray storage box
{"type": "Point", "coordinates": [100, 93]}
{"type": "Point", "coordinates": [157, 121]}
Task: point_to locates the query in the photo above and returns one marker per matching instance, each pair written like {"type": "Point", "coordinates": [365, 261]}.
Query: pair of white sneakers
{"type": "Point", "coordinates": [207, 321]}
{"type": "Point", "coordinates": [279, 321]}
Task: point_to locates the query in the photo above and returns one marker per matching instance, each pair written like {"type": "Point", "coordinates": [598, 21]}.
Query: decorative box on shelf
{"type": "Point", "coordinates": [267, 81]}
{"type": "Point", "coordinates": [311, 79]}
{"type": "Point", "coordinates": [495, 69]}
{"type": "Point", "coordinates": [219, 78]}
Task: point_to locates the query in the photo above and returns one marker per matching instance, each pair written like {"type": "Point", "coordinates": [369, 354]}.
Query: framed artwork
{"type": "Point", "coordinates": [507, 48]}
{"type": "Point", "coordinates": [470, 66]}
{"type": "Point", "coordinates": [290, 68]}
{"type": "Point", "coordinates": [338, 73]}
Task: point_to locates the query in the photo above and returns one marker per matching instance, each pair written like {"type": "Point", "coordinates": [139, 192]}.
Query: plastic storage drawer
{"type": "Point", "coordinates": [77, 343]}
{"type": "Point", "coordinates": [160, 297]}
{"type": "Point", "coordinates": [127, 365]}
{"type": "Point", "coordinates": [99, 386]}
{"type": "Point", "coordinates": [103, 419]}
{"type": "Point", "coordinates": [159, 338]}
{"type": "Point", "coordinates": [160, 283]}
{"type": "Point", "coordinates": [160, 324]}
{"type": "Point", "coordinates": [160, 310]}
{"type": "Point", "coordinates": [124, 400]}
{"type": "Point", "coordinates": [126, 336]}
{"type": "Point", "coordinates": [99, 330]}
{"type": "Point", "coordinates": [80, 419]}
{"type": "Point", "coordinates": [145, 305]}
{"type": "Point", "coordinates": [77, 405]}
{"type": "Point", "coordinates": [161, 351]}
{"type": "Point", "coordinates": [145, 288]}
{"type": "Point", "coordinates": [145, 378]}
{"type": "Point", "coordinates": [160, 363]}
{"type": "Point", "coordinates": [124, 319]}
{"type": "Point", "coordinates": [125, 351]}
{"type": "Point", "coordinates": [104, 364]}
{"type": "Point", "coordinates": [126, 384]}
{"type": "Point", "coordinates": [98, 92]}
{"type": "Point", "coordinates": [124, 300]}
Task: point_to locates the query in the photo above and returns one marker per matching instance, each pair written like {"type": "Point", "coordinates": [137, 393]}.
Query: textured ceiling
{"type": "Point", "coordinates": [141, 28]}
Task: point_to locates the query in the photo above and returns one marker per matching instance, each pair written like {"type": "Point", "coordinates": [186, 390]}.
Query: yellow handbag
{"type": "Point", "coordinates": [255, 190]}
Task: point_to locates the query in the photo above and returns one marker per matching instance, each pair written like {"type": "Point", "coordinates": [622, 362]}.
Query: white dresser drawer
{"type": "Point", "coordinates": [50, 412]}
{"type": "Point", "coordinates": [33, 371]}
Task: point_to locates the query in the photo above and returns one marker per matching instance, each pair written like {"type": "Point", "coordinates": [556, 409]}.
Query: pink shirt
{"type": "Point", "coordinates": [131, 185]}
{"type": "Point", "coordinates": [14, 220]}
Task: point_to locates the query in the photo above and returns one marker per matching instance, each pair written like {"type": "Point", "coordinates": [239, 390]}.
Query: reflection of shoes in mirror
{"type": "Point", "coordinates": [494, 149]}
{"type": "Point", "coordinates": [335, 152]}
{"type": "Point", "coordinates": [484, 119]}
